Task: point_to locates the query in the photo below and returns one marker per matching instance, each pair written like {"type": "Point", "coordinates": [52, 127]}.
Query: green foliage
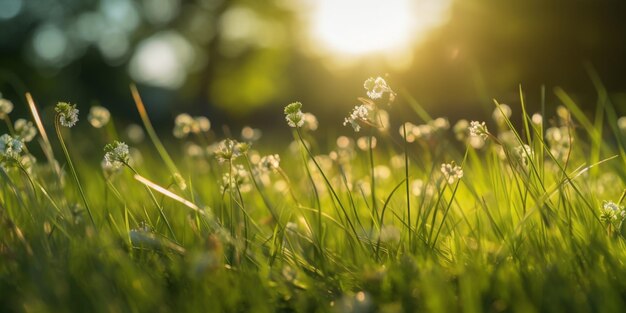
{"type": "Point", "coordinates": [510, 223]}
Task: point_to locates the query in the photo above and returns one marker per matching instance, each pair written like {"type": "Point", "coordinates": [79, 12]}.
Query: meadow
{"type": "Point", "coordinates": [428, 215]}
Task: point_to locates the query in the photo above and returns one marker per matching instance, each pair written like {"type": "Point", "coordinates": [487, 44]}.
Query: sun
{"type": "Point", "coordinates": [357, 27]}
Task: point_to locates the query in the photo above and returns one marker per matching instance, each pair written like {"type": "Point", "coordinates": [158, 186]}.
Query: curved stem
{"type": "Point", "coordinates": [72, 169]}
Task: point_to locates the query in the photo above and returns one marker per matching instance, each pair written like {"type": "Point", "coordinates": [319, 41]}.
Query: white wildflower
{"type": "Point", "coordinates": [240, 180]}
{"type": "Point", "coordinates": [67, 114]}
{"type": "Point", "coordinates": [293, 115]}
{"type": "Point", "coordinates": [360, 114]}
{"type": "Point", "coordinates": [98, 116]}
{"type": "Point", "coordinates": [478, 129]}
{"type": "Point", "coordinates": [10, 147]}
{"type": "Point", "coordinates": [228, 150]}
{"type": "Point", "coordinates": [612, 212]}
{"type": "Point", "coordinates": [451, 172]}
{"type": "Point", "coordinates": [116, 155]}
{"type": "Point", "coordinates": [524, 155]}
{"type": "Point", "coordinates": [376, 87]}
{"type": "Point", "coordinates": [270, 163]}
{"type": "Point", "coordinates": [25, 130]}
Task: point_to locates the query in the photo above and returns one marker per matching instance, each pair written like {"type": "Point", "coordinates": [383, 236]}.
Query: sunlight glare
{"type": "Point", "coordinates": [357, 27]}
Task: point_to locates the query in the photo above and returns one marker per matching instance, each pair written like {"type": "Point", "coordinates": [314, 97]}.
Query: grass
{"type": "Point", "coordinates": [519, 232]}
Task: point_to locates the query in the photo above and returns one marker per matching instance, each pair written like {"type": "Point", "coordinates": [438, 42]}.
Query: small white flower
{"type": "Point", "coordinates": [376, 87]}
{"type": "Point", "coordinates": [240, 180]}
{"type": "Point", "coordinates": [294, 115]}
{"type": "Point", "coordinates": [270, 163]}
{"type": "Point", "coordinates": [6, 107]}
{"type": "Point", "coordinates": [98, 116]}
{"type": "Point", "coordinates": [227, 150]}
{"type": "Point", "coordinates": [478, 129]}
{"type": "Point", "coordinates": [10, 147]}
{"type": "Point", "coordinates": [451, 172]}
{"type": "Point", "coordinates": [67, 114]}
{"type": "Point", "coordinates": [524, 155]}
{"type": "Point", "coordinates": [25, 130]}
{"type": "Point", "coordinates": [359, 114]}
{"type": "Point", "coordinates": [116, 155]}
{"type": "Point", "coordinates": [612, 212]}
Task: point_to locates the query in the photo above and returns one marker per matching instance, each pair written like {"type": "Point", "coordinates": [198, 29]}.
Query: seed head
{"type": "Point", "coordinates": [67, 114]}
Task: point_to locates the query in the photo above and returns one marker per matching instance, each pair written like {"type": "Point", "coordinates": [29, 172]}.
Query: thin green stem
{"type": "Point", "coordinates": [57, 127]}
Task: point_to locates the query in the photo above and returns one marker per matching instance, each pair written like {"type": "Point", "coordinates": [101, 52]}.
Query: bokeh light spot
{"type": "Point", "coordinates": [162, 60]}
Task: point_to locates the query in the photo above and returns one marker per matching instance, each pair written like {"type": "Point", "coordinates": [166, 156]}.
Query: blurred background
{"type": "Point", "coordinates": [241, 62]}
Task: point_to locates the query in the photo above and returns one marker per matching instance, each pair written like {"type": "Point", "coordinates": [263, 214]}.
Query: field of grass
{"type": "Point", "coordinates": [428, 216]}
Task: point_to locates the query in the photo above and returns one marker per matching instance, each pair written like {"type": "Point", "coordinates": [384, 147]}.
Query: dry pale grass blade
{"type": "Point", "coordinates": [168, 193]}
{"type": "Point", "coordinates": [155, 139]}
{"type": "Point", "coordinates": [45, 145]}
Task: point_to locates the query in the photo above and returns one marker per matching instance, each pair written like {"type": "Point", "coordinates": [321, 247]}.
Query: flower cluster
{"type": "Point", "coordinates": [478, 129]}
{"type": "Point", "coordinates": [294, 115]}
{"type": "Point", "coordinates": [116, 155]}
{"type": "Point", "coordinates": [523, 154]}
{"type": "Point", "coordinates": [269, 163]}
{"type": "Point", "coordinates": [10, 147]}
{"type": "Point", "coordinates": [360, 114]}
{"type": "Point", "coordinates": [184, 124]}
{"type": "Point", "coordinates": [67, 114]}
{"type": "Point", "coordinates": [559, 140]}
{"type": "Point", "coordinates": [612, 213]}
{"type": "Point", "coordinates": [451, 172]}
{"type": "Point", "coordinates": [376, 87]}
{"type": "Point", "coordinates": [98, 116]}
{"type": "Point", "coordinates": [6, 107]}
{"type": "Point", "coordinates": [228, 150]}
{"type": "Point", "coordinates": [25, 130]}
{"type": "Point", "coordinates": [239, 180]}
